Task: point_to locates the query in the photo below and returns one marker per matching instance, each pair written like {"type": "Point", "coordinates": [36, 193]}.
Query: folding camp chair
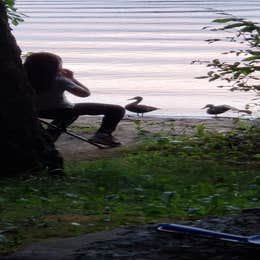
{"type": "Point", "coordinates": [68, 132]}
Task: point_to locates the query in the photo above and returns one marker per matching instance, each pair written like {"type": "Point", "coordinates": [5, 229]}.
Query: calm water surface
{"type": "Point", "coordinates": [126, 48]}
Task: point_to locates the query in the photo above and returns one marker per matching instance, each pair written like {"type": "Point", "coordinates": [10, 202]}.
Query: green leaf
{"type": "Point", "coordinates": [255, 53]}
{"type": "Point", "coordinates": [13, 15]}
{"type": "Point", "coordinates": [224, 20]}
{"type": "Point", "coordinates": [9, 3]}
{"type": "Point", "coordinates": [246, 70]}
{"type": "Point", "coordinates": [252, 58]}
{"type": "Point", "coordinates": [234, 25]}
{"type": "Point", "coordinates": [249, 29]}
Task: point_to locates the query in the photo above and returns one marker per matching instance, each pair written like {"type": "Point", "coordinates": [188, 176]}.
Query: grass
{"type": "Point", "coordinates": [165, 179]}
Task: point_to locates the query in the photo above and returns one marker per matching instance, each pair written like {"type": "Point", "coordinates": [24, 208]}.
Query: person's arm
{"type": "Point", "coordinates": [80, 90]}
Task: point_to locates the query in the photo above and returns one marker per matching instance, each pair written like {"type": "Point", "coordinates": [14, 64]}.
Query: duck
{"type": "Point", "coordinates": [216, 110]}
{"type": "Point", "coordinates": [139, 109]}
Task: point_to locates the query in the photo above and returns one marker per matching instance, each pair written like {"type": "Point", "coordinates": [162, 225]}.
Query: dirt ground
{"type": "Point", "coordinates": [127, 132]}
{"type": "Point", "coordinates": [146, 242]}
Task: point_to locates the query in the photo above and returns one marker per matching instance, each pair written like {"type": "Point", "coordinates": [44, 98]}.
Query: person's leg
{"type": "Point", "coordinates": [62, 118]}
{"type": "Point", "coordinates": [112, 116]}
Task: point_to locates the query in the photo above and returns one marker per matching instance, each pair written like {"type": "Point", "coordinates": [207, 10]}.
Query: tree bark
{"type": "Point", "coordinates": [23, 143]}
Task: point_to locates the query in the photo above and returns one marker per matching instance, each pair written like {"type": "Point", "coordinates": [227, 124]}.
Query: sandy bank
{"type": "Point", "coordinates": [127, 133]}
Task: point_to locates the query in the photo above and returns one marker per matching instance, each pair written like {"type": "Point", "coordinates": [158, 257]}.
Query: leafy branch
{"type": "Point", "coordinates": [13, 15]}
{"type": "Point", "coordinates": [242, 74]}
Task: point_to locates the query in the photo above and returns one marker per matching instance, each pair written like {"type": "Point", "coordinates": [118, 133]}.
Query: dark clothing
{"type": "Point", "coordinates": [55, 98]}
{"type": "Point", "coordinates": [63, 117]}
{"type": "Point", "coordinates": [53, 104]}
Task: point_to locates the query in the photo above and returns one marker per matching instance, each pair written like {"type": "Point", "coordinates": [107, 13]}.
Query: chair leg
{"type": "Point", "coordinates": [55, 132]}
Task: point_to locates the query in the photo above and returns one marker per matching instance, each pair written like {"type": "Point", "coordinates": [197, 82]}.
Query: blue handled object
{"type": "Point", "coordinates": [200, 231]}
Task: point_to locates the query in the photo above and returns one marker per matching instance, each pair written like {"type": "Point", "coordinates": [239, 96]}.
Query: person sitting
{"type": "Point", "coordinates": [50, 80]}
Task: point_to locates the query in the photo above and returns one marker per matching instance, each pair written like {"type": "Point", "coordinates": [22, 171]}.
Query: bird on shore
{"type": "Point", "coordinates": [139, 109]}
{"type": "Point", "coordinates": [216, 110]}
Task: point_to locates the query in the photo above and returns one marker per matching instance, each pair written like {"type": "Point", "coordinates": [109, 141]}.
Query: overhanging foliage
{"type": "Point", "coordinates": [244, 73]}
{"type": "Point", "coordinates": [13, 15]}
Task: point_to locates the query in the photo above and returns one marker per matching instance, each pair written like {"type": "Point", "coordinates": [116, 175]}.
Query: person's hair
{"type": "Point", "coordinates": [41, 69]}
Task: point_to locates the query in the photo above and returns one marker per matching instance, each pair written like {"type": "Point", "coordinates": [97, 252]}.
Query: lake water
{"type": "Point", "coordinates": [126, 48]}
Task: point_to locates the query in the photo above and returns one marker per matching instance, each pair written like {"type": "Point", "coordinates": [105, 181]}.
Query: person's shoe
{"type": "Point", "coordinates": [105, 139]}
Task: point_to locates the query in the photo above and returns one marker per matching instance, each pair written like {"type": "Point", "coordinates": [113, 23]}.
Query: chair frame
{"type": "Point", "coordinates": [77, 136]}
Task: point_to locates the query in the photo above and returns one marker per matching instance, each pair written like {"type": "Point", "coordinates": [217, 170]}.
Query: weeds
{"type": "Point", "coordinates": [241, 145]}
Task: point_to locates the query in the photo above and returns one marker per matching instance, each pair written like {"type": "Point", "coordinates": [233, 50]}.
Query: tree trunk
{"type": "Point", "coordinates": [24, 144]}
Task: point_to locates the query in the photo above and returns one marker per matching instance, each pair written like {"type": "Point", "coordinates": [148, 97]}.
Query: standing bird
{"type": "Point", "coordinates": [139, 109]}
{"type": "Point", "coordinates": [215, 110]}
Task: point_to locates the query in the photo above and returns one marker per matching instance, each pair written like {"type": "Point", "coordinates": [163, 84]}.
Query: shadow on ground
{"type": "Point", "coordinates": [145, 242]}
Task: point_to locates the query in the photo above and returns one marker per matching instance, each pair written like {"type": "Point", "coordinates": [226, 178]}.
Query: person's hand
{"type": "Point", "coordinates": [67, 73]}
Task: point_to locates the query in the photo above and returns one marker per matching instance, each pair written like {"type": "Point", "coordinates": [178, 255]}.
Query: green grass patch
{"type": "Point", "coordinates": [165, 179]}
